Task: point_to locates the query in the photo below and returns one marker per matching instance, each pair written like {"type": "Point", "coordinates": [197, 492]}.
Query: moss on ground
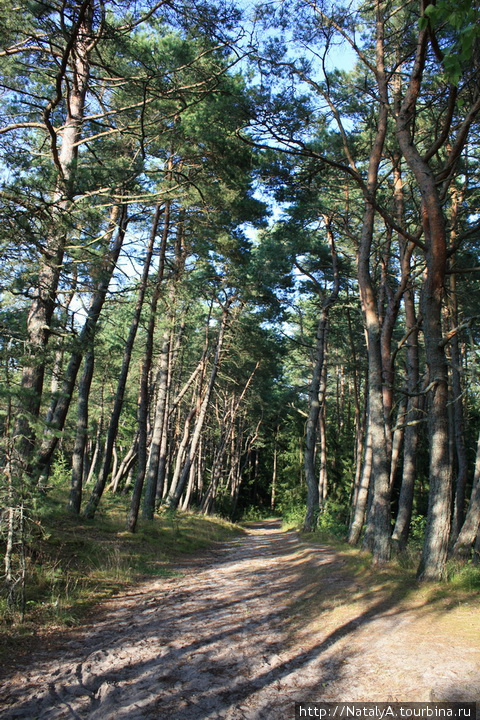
{"type": "Point", "coordinates": [73, 563]}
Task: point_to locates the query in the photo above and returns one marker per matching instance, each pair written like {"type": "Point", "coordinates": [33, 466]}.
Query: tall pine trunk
{"type": "Point", "coordinates": [315, 396]}
{"type": "Point", "coordinates": [411, 437]}
{"type": "Point", "coordinates": [471, 527]}
{"type": "Point", "coordinates": [76, 57]}
{"type": "Point", "coordinates": [78, 455]}
{"type": "Point", "coordinates": [160, 420]}
{"type": "Point", "coordinates": [376, 421]}
{"type": "Point", "coordinates": [122, 379]}
{"type": "Point", "coordinates": [118, 222]}
{"type": "Point", "coordinates": [178, 486]}
{"type": "Point", "coordinates": [144, 393]}
{"type": "Point", "coordinates": [457, 400]}
{"type": "Point", "coordinates": [435, 547]}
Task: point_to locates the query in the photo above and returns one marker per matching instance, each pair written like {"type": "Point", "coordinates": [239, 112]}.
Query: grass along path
{"type": "Point", "coordinates": [262, 621]}
{"type": "Point", "coordinates": [73, 564]}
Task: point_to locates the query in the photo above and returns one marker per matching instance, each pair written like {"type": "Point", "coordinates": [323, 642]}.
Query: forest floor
{"type": "Point", "coordinates": [246, 630]}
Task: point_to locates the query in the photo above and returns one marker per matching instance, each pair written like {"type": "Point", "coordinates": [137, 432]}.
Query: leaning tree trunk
{"type": "Point", "coordinates": [471, 526]}
{"type": "Point", "coordinates": [226, 433]}
{"type": "Point", "coordinates": [398, 435]}
{"type": "Point", "coordinates": [144, 393]}
{"type": "Point", "coordinates": [236, 468]}
{"type": "Point", "coordinates": [219, 453]}
{"type": "Point", "coordinates": [58, 362]}
{"type": "Point", "coordinates": [119, 221]}
{"type": "Point", "coordinates": [76, 56]}
{"type": "Point", "coordinates": [388, 326]}
{"type": "Point", "coordinates": [125, 466]}
{"type": "Point", "coordinates": [274, 470]}
{"type": "Point", "coordinates": [176, 490]}
{"type": "Point", "coordinates": [122, 379]}
{"type": "Point", "coordinates": [182, 451]}
{"type": "Point", "coordinates": [322, 431]}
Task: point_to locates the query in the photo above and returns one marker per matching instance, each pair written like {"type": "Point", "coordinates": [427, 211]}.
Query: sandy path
{"type": "Point", "coordinates": [215, 643]}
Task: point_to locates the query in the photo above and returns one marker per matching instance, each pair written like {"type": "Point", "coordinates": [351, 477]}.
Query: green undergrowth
{"type": "Point", "coordinates": [461, 575]}
{"type": "Point", "coordinates": [73, 563]}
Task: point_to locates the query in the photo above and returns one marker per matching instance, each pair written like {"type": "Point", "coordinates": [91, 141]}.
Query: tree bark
{"type": "Point", "coordinates": [411, 431]}
{"type": "Point", "coordinates": [360, 427]}
{"type": "Point", "coordinates": [119, 221]}
{"type": "Point", "coordinates": [176, 489]}
{"type": "Point", "coordinates": [381, 465]}
{"type": "Point", "coordinates": [362, 491]}
{"type": "Point", "coordinates": [397, 439]}
{"type": "Point", "coordinates": [75, 500]}
{"type": "Point", "coordinates": [376, 423]}
{"type": "Point", "coordinates": [274, 471]}
{"type": "Point", "coordinates": [122, 379]}
{"type": "Point", "coordinates": [76, 54]}
{"type": "Point", "coordinates": [471, 527]}
{"type": "Point", "coordinates": [458, 415]}
{"type": "Point", "coordinates": [435, 548]}
{"type": "Point", "coordinates": [124, 466]}
{"type": "Point", "coordinates": [311, 515]}
{"type": "Point", "coordinates": [322, 473]}
{"type": "Point", "coordinates": [144, 394]}
{"type": "Point", "coordinates": [405, 502]}
{"type": "Point", "coordinates": [315, 401]}
{"type": "Point", "coordinates": [161, 418]}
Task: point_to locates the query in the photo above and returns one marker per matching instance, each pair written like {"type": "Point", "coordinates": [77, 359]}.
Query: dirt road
{"type": "Point", "coordinates": [243, 633]}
